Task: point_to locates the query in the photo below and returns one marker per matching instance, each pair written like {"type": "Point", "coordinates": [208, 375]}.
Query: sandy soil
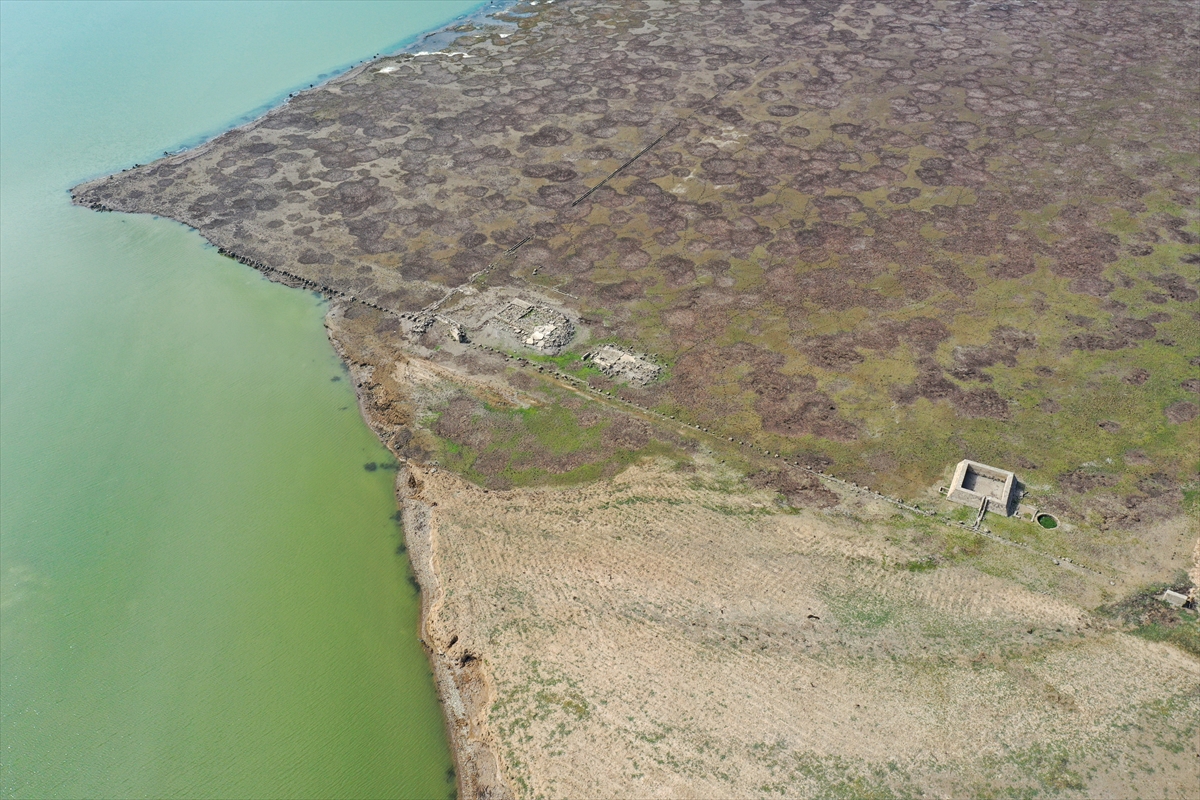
{"type": "Point", "coordinates": [677, 632]}
{"type": "Point", "coordinates": [664, 635]}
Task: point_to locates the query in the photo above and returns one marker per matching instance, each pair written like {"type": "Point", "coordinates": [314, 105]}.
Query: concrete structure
{"type": "Point", "coordinates": [982, 487]}
{"type": "Point", "coordinates": [1174, 598]}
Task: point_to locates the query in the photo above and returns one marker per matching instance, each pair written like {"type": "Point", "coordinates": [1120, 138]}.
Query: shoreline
{"type": "Point", "coordinates": [185, 151]}
{"type": "Point", "coordinates": [475, 777]}
{"type": "Point", "coordinates": [476, 766]}
{"type": "Point", "coordinates": [462, 684]}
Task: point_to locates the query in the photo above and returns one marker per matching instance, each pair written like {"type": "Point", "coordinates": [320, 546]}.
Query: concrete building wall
{"type": "Point", "coordinates": [973, 482]}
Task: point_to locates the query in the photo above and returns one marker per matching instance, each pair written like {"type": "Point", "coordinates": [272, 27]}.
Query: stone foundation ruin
{"type": "Point", "coordinates": [636, 370]}
{"type": "Point", "coordinates": [538, 327]}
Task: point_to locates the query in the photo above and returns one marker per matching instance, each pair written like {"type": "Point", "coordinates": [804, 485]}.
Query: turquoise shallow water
{"type": "Point", "coordinates": [199, 591]}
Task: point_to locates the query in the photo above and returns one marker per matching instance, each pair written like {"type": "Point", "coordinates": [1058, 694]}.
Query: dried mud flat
{"type": "Point", "coordinates": [867, 238]}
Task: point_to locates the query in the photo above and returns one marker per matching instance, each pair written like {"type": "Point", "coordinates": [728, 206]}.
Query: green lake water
{"type": "Point", "coordinates": [200, 594]}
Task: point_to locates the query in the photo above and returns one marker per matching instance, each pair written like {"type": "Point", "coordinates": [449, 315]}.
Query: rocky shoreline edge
{"type": "Point", "coordinates": [457, 682]}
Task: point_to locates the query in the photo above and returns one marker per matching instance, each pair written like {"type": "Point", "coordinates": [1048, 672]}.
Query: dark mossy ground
{"type": "Point", "coordinates": [880, 236]}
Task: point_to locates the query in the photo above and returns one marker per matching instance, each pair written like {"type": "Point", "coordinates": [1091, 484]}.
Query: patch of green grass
{"type": "Point", "coordinates": [534, 476]}
{"type": "Point", "coordinates": [871, 613]}
{"type": "Point", "coordinates": [1185, 634]}
{"type": "Point", "coordinates": [959, 544]}
{"type": "Point", "coordinates": [1147, 616]}
{"type": "Point", "coordinates": [543, 446]}
{"type": "Point", "coordinates": [1048, 769]}
{"type": "Point", "coordinates": [567, 362]}
{"type": "Point", "coordinates": [740, 512]}
{"type": "Point", "coordinates": [1191, 500]}
{"type": "Point", "coordinates": [655, 736]}
{"type": "Point", "coordinates": [570, 702]}
{"type": "Point", "coordinates": [636, 500]}
{"type": "Point", "coordinates": [866, 612]}
{"type": "Point", "coordinates": [963, 514]}
{"type": "Point", "coordinates": [543, 695]}
{"type": "Point", "coordinates": [556, 428]}
{"type": "Point", "coordinates": [830, 776]}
